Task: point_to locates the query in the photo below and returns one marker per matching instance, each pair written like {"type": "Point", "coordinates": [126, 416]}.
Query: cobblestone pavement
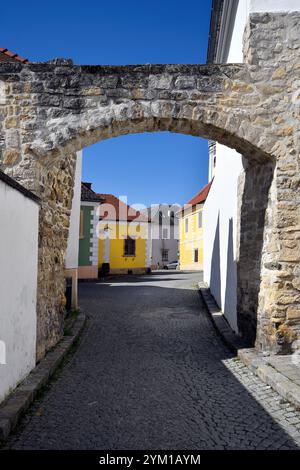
{"type": "Point", "coordinates": [151, 373]}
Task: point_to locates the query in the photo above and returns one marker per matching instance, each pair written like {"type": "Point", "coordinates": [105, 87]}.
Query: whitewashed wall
{"type": "Point", "coordinates": [158, 243]}
{"type": "Point", "coordinates": [71, 261]}
{"type": "Point", "coordinates": [220, 210]}
{"type": "Point", "coordinates": [219, 219]}
{"type": "Point", "coordinates": [18, 285]}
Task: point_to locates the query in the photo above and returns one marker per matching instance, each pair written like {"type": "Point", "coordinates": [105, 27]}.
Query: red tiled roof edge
{"type": "Point", "coordinates": [201, 196]}
{"type": "Point", "coordinates": [117, 203]}
{"type": "Point", "coordinates": [198, 198]}
{"type": "Point", "coordinates": [13, 56]}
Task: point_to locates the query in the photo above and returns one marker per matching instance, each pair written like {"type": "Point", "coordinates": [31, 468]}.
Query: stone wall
{"type": "Point", "coordinates": [253, 200]}
{"type": "Point", "coordinates": [272, 43]}
{"type": "Point", "coordinates": [49, 111]}
{"type": "Point", "coordinates": [56, 180]}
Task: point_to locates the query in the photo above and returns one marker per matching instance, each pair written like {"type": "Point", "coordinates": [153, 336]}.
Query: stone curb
{"type": "Point", "coordinates": [20, 399]}
{"type": "Point", "coordinates": [232, 340]}
{"type": "Point", "coordinates": [255, 361]}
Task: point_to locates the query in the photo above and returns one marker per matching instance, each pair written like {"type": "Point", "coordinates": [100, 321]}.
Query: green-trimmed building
{"type": "Point", "coordinates": [88, 240]}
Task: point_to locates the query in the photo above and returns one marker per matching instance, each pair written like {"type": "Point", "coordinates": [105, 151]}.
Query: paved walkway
{"type": "Point", "coordinates": [151, 373]}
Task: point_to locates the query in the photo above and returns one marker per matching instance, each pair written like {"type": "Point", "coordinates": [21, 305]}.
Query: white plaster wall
{"type": "Point", "coordinates": [220, 209]}
{"type": "Point", "coordinates": [168, 244]}
{"type": "Point", "coordinates": [219, 240]}
{"type": "Point", "coordinates": [235, 53]}
{"type": "Point", "coordinates": [148, 253]}
{"type": "Point", "coordinates": [156, 243]}
{"type": "Point", "coordinates": [71, 261]}
{"type": "Point", "coordinates": [18, 285]}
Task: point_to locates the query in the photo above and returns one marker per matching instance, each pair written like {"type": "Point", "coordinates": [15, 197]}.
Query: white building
{"type": "Point", "coordinates": [163, 234]}
{"type": "Point", "coordinates": [19, 215]}
{"type": "Point", "coordinates": [71, 260]}
{"type": "Point", "coordinates": [228, 21]}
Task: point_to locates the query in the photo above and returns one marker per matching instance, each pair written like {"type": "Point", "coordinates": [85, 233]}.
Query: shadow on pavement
{"type": "Point", "coordinates": [150, 373]}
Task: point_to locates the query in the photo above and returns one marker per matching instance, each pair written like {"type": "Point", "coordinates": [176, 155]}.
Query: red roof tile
{"type": "Point", "coordinates": [118, 211]}
{"type": "Point", "coordinates": [201, 196]}
{"type": "Point", "coordinates": [8, 56]}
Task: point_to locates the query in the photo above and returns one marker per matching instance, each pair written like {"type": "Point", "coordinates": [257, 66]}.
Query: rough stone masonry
{"type": "Point", "coordinates": [48, 111]}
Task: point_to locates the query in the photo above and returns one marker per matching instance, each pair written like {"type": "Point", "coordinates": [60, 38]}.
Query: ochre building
{"type": "Point", "coordinates": [124, 247]}
{"type": "Point", "coordinates": [191, 232]}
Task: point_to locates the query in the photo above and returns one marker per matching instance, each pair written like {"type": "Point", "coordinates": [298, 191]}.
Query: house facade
{"type": "Point", "coordinates": [163, 234]}
{"type": "Point", "coordinates": [191, 232]}
{"type": "Point", "coordinates": [221, 211]}
{"type": "Point", "coordinates": [124, 246]}
{"type": "Point", "coordinates": [71, 260]}
{"type": "Point", "coordinates": [88, 239]}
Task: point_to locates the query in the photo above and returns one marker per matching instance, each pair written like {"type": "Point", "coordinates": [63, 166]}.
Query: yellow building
{"type": "Point", "coordinates": [191, 232]}
{"type": "Point", "coordinates": [123, 238]}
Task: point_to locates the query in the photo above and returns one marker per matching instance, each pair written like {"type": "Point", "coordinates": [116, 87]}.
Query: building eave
{"type": "Point", "coordinates": [94, 200]}
{"type": "Point", "coordinates": [223, 13]}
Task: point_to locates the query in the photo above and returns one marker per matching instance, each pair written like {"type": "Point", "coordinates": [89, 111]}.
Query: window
{"type": "Point", "coordinates": [196, 255]}
{"type": "Point", "coordinates": [165, 233]}
{"type": "Point", "coordinates": [172, 217]}
{"type": "Point", "coordinates": [186, 225]}
{"type": "Point", "coordinates": [129, 247]}
{"type": "Point", "coordinates": [199, 219]}
{"type": "Point", "coordinates": [165, 255]}
{"type": "Point", "coordinates": [81, 231]}
{"type": "Point", "coordinates": [160, 217]}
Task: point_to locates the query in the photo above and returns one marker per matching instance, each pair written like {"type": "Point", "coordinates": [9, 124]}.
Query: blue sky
{"type": "Point", "coordinates": [148, 168]}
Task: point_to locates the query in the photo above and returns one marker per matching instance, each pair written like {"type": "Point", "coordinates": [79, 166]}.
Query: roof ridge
{"type": "Point", "coordinates": [115, 197]}
{"type": "Point", "coordinates": [131, 212]}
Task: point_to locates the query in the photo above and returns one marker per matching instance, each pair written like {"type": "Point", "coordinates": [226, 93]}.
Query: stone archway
{"type": "Point", "coordinates": [48, 111]}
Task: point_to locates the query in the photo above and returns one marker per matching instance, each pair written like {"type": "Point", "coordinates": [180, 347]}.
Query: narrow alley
{"type": "Point", "coordinates": [151, 372]}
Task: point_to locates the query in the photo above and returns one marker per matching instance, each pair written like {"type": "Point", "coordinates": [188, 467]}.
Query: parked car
{"type": "Point", "coordinates": [172, 265]}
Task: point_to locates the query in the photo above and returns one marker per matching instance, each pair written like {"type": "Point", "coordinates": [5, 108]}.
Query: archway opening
{"type": "Point", "coordinates": [233, 244]}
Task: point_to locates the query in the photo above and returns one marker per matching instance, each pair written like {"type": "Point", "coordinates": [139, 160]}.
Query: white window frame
{"type": "Point", "coordinates": [186, 225]}
{"type": "Point", "coordinates": [200, 219]}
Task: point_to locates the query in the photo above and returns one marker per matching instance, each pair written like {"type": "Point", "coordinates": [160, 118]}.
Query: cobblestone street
{"type": "Point", "coordinates": [151, 373]}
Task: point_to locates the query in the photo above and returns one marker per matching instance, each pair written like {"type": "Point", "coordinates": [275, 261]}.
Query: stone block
{"type": "Point", "coordinates": [11, 157]}
{"type": "Point", "coordinates": [160, 82]}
